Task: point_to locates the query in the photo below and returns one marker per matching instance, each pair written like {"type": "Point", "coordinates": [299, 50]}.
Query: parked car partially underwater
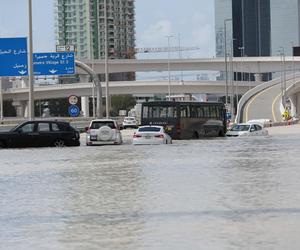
{"type": "Point", "coordinates": [40, 134]}
{"type": "Point", "coordinates": [151, 135]}
{"type": "Point", "coordinates": [103, 131]}
{"type": "Point", "coordinates": [246, 129]}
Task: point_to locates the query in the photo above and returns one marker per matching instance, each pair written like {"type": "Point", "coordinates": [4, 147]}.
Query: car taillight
{"type": "Point", "coordinates": [159, 136]}
{"type": "Point", "coordinates": [88, 130]}
{"type": "Point", "coordinates": [136, 135]}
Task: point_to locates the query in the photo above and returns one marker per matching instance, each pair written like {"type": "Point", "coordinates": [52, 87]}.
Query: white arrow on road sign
{"type": "Point", "coordinates": [22, 72]}
{"type": "Point", "coordinates": [52, 71]}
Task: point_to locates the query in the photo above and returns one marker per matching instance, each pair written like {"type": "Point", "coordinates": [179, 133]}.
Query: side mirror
{"type": "Point", "coordinates": [252, 130]}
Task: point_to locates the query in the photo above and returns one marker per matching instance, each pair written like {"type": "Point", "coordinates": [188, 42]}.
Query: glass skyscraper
{"type": "Point", "coordinates": [259, 27]}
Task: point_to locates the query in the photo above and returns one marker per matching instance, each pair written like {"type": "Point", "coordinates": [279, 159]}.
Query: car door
{"type": "Point", "coordinates": [25, 135]}
{"type": "Point", "coordinates": [44, 136]}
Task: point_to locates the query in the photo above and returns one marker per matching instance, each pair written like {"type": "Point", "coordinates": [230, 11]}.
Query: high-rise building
{"type": "Point", "coordinates": [81, 22]}
{"type": "Point", "coordinates": [259, 27]}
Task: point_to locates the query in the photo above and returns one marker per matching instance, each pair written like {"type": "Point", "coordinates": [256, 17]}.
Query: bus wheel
{"type": "Point", "coordinates": [221, 133]}
{"type": "Point", "coordinates": [195, 135]}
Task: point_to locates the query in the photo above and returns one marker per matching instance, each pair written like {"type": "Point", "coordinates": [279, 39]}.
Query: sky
{"type": "Point", "coordinates": [191, 20]}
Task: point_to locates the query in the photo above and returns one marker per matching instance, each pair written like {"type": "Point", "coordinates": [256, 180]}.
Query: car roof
{"type": "Point", "coordinates": [154, 126]}
{"type": "Point", "coordinates": [103, 120]}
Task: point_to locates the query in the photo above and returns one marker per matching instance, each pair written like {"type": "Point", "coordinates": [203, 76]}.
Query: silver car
{"type": "Point", "coordinates": [246, 129]}
{"type": "Point", "coordinates": [151, 135]}
{"type": "Point", "coordinates": [103, 131]}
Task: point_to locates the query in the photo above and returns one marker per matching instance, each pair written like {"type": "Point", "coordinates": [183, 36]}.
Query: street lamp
{"type": "Point", "coordinates": [283, 76]}
{"type": "Point", "coordinates": [226, 61]}
{"type": "Point", "coordinates": [106, 61]}
{"type": "Point", "coordinates": [169, 76]}
{"type": "Point", "coordinates": [242, 73]}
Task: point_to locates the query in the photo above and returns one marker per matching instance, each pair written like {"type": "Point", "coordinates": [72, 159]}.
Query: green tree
{"type": "Point", "coordinates": [121, 102]}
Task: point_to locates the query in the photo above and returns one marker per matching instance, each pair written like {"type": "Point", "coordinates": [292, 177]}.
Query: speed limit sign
{"type": "Point", "coordinates": [73, 99]}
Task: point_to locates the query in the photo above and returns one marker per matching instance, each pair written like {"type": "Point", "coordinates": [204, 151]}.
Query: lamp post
{"type": "Point", "coordinates": [169, 76]}
{"type": "Point", "coordinates": [242, 73]}
{"type": "Point", "coordinates": [283, 77]}
{"type": "Point", "coordinates": [30, 64]}
{"type": "Point", "coordinates": [106, 62]}
{"type": "Point", "coordinates": [226, 60]}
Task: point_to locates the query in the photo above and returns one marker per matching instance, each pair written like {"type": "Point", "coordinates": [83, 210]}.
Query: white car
{"type": "Point", "coordinates": [129, 122]}
{"type": "Point", "coordinates": [151, 135]}
{"type": "Point", "coordinates": [246, 129]}
{"type": "Point", "coordinates": [103, 131]}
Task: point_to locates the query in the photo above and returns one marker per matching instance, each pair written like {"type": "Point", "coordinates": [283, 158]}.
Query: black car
{"type": "Point", "coordinates": [41, 134]}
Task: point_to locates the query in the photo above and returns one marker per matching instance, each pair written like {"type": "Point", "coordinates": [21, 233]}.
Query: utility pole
{"type": "Point", "coordinates": [169, 76]}
{"type": "Point", "coordinates": [106, 62]}
{"type": "Point", "coordinates": [226, 60]}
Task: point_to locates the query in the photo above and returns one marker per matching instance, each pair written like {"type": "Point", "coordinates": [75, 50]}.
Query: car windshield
{"type": "Point", "coordinates": [149, 129]}
{"type": "Point", "coordinates": [99, 124]}
{"type": "Point", "coordinates": [240, 127]}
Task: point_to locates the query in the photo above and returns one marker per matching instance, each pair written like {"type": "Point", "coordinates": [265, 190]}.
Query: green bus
{"type": "Point", "coordinates": [186, 120]}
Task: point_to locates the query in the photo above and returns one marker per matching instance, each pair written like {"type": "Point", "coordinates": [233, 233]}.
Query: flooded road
{"type": "Point", "coordinates": [228, 193]}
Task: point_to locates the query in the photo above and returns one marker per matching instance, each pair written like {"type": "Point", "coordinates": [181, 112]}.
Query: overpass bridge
{"type": "Point", "coordinates": [257, 65]}
{"type": "Point", "coordinates": [52, 91]}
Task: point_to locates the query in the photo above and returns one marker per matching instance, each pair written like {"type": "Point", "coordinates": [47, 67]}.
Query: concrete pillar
{"type": "Point", "coordinates": [258, 77]}
{"type": "Point", "coordinates": [85, 106]}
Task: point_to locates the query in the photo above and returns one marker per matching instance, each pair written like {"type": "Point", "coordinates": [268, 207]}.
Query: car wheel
{"type": "Point", "coordinates": [59, 143]}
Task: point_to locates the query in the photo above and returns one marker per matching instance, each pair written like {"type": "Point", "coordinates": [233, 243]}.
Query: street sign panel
{"type": "Point", "coordinates": [13, 57]}
{"type": "Point", "coordinates": [73, 99]}
{"type": "Point", "coordinates": [56, 63]}
{"type": "Point", "coordinates": [65, 48]}
{"type": "Point", "coordinates": [74, 111]}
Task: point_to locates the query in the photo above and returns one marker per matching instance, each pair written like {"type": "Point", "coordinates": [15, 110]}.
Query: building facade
{"type": "Point", "coordinates": [257, 27]}
{"type": "Point", "coordinates": [81, 23]}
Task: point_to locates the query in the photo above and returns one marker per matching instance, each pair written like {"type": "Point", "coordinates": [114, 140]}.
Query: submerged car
{"type": "Point", "coordinates": [151, 135]}
{"type": "Point", "coordinates": [129, 122]}
{"type": "Point", "coordinates": [103, 131]}
{"type": "Point", "coordinates": [40, 134]}
{"type": "Point", "coordinates": [246, 129]}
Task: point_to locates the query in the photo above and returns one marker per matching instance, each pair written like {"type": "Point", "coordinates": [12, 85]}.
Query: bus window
{"type": "Point", "coordinates": [155, 112]}
{"type": "Point", "coordinates": [163, 112]}
{"type": "Point", "coordinates": [206, 112]}
{"type": "Point", "coordinates": [213, 113]}
{"type": "Point", "coordinates": [185, 111]}
{"type": "Point", "coordinates": [172, 112]}
{"type": "Point", "coordinates": [200, 112]}
{"type": "Point", "coordinates": [194, 112]}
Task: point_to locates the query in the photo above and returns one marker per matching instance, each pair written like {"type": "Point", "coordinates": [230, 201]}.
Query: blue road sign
{"type": "Point", "coordinates": [74, 111]}
{"type": "Point", "coordinates": [56, 63]}
{"type": "Point", "coordinates": [13, 56]}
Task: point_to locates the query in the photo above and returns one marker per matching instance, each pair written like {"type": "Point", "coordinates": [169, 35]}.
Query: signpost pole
{"type": "Point", "coordinates": [30, 65]}
{"type": "Point", "coordinates": [1, 100]}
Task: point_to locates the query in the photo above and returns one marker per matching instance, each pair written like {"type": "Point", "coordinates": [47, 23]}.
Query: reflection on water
{"type": "Point", "coordinates": [236, 193]}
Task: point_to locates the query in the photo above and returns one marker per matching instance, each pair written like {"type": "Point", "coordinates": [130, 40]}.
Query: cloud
{"type": "Point", "coordinates": [155, 34]}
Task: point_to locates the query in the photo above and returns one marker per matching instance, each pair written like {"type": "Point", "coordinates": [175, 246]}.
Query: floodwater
{"type": "Point", "coordinates": [228, 193]}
